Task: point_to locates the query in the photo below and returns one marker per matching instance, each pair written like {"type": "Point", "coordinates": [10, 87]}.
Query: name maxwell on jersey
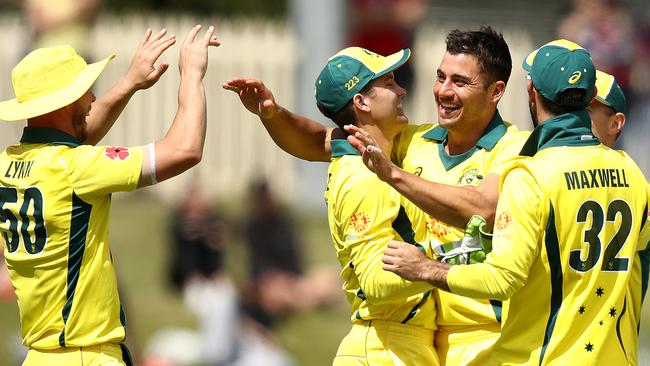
{"type": "Point", "coordinates": [595, 178]}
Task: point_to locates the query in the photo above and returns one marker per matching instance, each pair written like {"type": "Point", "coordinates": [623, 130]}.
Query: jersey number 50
{"type": "Point", "coordinates": [34, 236]}
{"type": "Point", "coordinates": [592, 236]}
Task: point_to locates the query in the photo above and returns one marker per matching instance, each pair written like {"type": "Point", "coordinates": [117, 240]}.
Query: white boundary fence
{"type": "Point", "coordinates": [237, 146]}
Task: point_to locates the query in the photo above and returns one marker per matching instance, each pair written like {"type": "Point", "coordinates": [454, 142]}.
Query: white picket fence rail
{"type": "Point", "coordinates": [237, 146]}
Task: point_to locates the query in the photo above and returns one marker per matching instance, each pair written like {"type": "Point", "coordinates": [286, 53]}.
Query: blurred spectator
{"type": "Point", "coordinates": [225, 338]}
{"type": "Point", "coordinates": [199, 240]}
{"type": "Point", "coordinates": [385, 27]}
{"type": "Point", "coordinates": [199, 236]}
{"type": "Point", "coordinates": [57, 22]}
{"type": "Point", "coordinates": [275, 262]}
{"type": "Point", "coordinates": [279, 284]}
{"type": "Point", "coordinates": [605, 29]}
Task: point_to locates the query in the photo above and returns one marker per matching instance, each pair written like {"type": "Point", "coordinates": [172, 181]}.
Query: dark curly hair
{"type": "Point", "coordinates": [488, 46]}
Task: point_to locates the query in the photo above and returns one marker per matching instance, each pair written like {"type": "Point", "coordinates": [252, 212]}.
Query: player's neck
{"type": "Point", "coordinates": [459, 142]}
{"type": "Point", "coordinates": [383, 139]}
{"type": "Point", "coordinates": [59, 119]}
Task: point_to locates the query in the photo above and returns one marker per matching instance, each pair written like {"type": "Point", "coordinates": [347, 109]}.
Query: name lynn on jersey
{"type": "Point", "coordinates": [19, 169]}
{"type": "Point", "coordinates": [595, 178]}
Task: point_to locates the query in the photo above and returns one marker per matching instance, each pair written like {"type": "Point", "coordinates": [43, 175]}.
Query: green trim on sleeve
{"type": "Point", "coordinates": [417, 307]}
{"type": "Point", "coordinates": [618, 326]}
{"type": "Point", "coordinates": [403, 226]}
{"type": "Point", "coordinates": [497, 307]}
{"type": "Point", "coordinates": [80, 218]}
{"type": "Point", "coordinates": [555, 266]}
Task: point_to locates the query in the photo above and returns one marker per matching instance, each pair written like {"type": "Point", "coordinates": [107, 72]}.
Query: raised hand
{"type": "Point", "coordinates": [143, 71]}
{"type": "Point", "coordinates": [193, 59]}
{"type": "Point", "coordinates": [254, 95]}
{"type": "Point", "coordinates": [373, 157]}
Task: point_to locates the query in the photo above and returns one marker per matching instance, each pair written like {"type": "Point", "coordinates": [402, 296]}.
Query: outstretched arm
{"type": "Point", "coordinates": [182, 146]}
{"type": "Point", "coordinates": [515, 248]}
{"type": "Point", "coordinates": [142, 74]}
{"type": "Point", "coordinates": [454, 205]}
{"type": "Point", "coordinates": [297, 135]}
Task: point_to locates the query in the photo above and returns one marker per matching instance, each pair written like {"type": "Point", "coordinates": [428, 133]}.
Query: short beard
{"type": "Point", "coordinates": [79, 124]}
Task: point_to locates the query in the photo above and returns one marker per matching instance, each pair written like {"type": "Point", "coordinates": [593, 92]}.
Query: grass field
{"type": "Point", "coordinates": [139, 244]}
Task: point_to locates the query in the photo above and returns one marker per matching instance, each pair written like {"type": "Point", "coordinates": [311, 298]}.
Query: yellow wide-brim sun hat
{"type": "Point", "coordinates": [48, 79]}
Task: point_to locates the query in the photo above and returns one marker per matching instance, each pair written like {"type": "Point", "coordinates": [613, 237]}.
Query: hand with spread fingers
{"type": "Point", "coordinates": [193, 59]}
{"type": "Point", "coordinates": [142, 74]}
{"type": "Point", "coordinates": [254, 95]}
{"type": "Point", "coordinates": [143, 71]}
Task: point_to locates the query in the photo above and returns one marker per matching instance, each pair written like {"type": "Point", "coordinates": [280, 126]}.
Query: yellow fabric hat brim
{"type": "Point", "coordinates": [12, 110]}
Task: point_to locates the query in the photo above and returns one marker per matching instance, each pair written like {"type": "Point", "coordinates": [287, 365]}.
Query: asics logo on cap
{"type": "Point", "coordinates": [575, 77]}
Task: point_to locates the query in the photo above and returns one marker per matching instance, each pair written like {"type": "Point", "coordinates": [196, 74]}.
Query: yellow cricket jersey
{"type": "Point", "coordinates": [364, 214]}
{"type": "Point", "coordinates": [564, 247]}
{"type": "Point", "coordinates": [420, 149]}
{"type": "Point", "coordinates": [54, 210]}
{"type": "Point", "coordinates": [637, 288]}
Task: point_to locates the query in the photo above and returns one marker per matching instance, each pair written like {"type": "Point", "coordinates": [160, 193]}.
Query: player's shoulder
{"type": "Point", "coordinates": [416, 130]}
{"type": "Point", "coordinates": [349, 176]}
{"type": "Point", "coordinates": [350, 168]}
{"type": "Point", "coordinates": [520, 165]}
{"type": "Point", "coordinates": [514, 133]}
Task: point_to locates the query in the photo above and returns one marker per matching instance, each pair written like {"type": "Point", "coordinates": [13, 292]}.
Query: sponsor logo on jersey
{"type": "Point", "coordinates": [503, 220]}
{"type": "Point", "coordinates": [471, 177]}
{"type": "Point", "coordinates": [360, 222]}
{"type": "Point", "coordinates": [437, 228]}
{"type": "Point", "coordinates": [117, 153]}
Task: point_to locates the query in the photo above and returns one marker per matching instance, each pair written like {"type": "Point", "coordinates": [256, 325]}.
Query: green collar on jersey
{"type": "Point", "coordinates": [46, 135]}
{"type": "Point", "coordinates": [569, 129]}
{"type": "Point", "coordinates": [493, 132]}
{"type": "Point", "coordinates": [342, 147]}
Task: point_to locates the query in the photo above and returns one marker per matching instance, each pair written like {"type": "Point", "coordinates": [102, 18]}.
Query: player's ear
{"type": "Point", "coordinates": [498, 88]}
{"type": "Point", "coordinates": [618, 123]}
{"type": "Point", "coordinates": [359, 101]}
{"type": "Point", "coordinates": [531, 91]}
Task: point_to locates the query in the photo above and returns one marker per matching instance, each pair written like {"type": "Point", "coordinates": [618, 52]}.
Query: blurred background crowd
{"type": "Point", "coordinates": [231, 263]}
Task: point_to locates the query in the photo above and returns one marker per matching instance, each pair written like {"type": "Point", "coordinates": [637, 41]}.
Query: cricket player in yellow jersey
{"type": "Point", "coordinates": [55, 197]}
{"type": "Point", "coordinates": [467, 327]}
{"type": "Point", "coordinates": [441, 167]}
{"type": "Point", "coordinates": [393, 320]}
{"type": "Point", "coordinates": [607, 111]}
{"type": "Point", "coordinates": [470, 141]}
{"type": "Point", "coordinates": [566, 231]}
